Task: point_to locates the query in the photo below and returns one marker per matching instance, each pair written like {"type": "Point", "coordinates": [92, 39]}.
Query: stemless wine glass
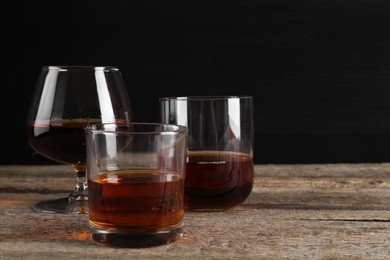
{"type": "Point", "coordinates": [66, 99]}
{"type": "Point", "coordinates": [219, 169]}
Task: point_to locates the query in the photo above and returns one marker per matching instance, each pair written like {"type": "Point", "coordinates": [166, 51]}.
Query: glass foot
{"type": "Point", "coordinates": [135, 240]}
{"type": "Point", "coordinates": [63, 206]}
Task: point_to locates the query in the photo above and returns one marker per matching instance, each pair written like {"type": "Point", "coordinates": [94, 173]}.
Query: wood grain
{"type": "Point", "coordinates": [323, 211]}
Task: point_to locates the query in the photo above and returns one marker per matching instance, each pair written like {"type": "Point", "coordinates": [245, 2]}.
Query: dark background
{"type": "Point", "coordinates": [319, 70]}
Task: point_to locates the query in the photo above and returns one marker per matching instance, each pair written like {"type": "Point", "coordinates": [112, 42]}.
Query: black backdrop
{"type": "Point", "coordinates": [319, 70]}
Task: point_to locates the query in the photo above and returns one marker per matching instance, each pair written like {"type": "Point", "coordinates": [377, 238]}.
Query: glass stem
{"type": "Point", "coordinates": [81, 190]}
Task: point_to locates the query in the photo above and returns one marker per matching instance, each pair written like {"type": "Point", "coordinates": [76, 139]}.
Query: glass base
{"type": "Point", "coordinates": [63, 206]}
{"type": "Point", "coordinates": [135, 240]}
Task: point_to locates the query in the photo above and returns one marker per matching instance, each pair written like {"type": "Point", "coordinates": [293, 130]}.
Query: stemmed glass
{"type": "Point", "coordinates": [66, 99]}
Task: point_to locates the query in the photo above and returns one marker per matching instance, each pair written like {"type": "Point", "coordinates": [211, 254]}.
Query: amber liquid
{"type": "Point", "coordinates": [217, 181]}
{"type": "Point", "coordinates": [136, 201]}
{"type": "Point", "coordinates": [60, 140]}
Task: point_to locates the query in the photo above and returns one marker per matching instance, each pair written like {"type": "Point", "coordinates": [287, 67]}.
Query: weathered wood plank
{"type": "Point", "coordinates": [294, 211]}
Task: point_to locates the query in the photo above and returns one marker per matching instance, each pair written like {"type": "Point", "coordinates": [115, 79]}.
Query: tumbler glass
{"type": "Point", "coordinates": [136, 183]}
{"type": "Point", "coordinates": [219, 167]}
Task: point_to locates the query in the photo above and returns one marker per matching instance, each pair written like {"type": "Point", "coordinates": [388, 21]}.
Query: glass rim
{"type": "Point", "coordinates": [97, 129]}
{"type": "Point", "coordinates": [202, 98]}
{"type": "Point", "coordinates": [79, 67]}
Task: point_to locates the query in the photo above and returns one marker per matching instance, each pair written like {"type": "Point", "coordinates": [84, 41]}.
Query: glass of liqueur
{"type": "Point", "coordinates": [136, 183]}
{"type": "Point", "coordinates": [66, 99]}
{"type": "Point", "coordinates": [219, 168]}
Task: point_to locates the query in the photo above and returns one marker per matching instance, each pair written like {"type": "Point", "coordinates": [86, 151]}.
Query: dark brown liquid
{"type": "Point", "coordinates": [136, 201]}
{"type": "Point", "coordinates": [217, 181]}
{"type": "Point", "coordinates": [60, 140]}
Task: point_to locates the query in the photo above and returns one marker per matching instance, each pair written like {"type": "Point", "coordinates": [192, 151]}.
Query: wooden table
{"type": "Point", "coordinates": [294, 211]}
